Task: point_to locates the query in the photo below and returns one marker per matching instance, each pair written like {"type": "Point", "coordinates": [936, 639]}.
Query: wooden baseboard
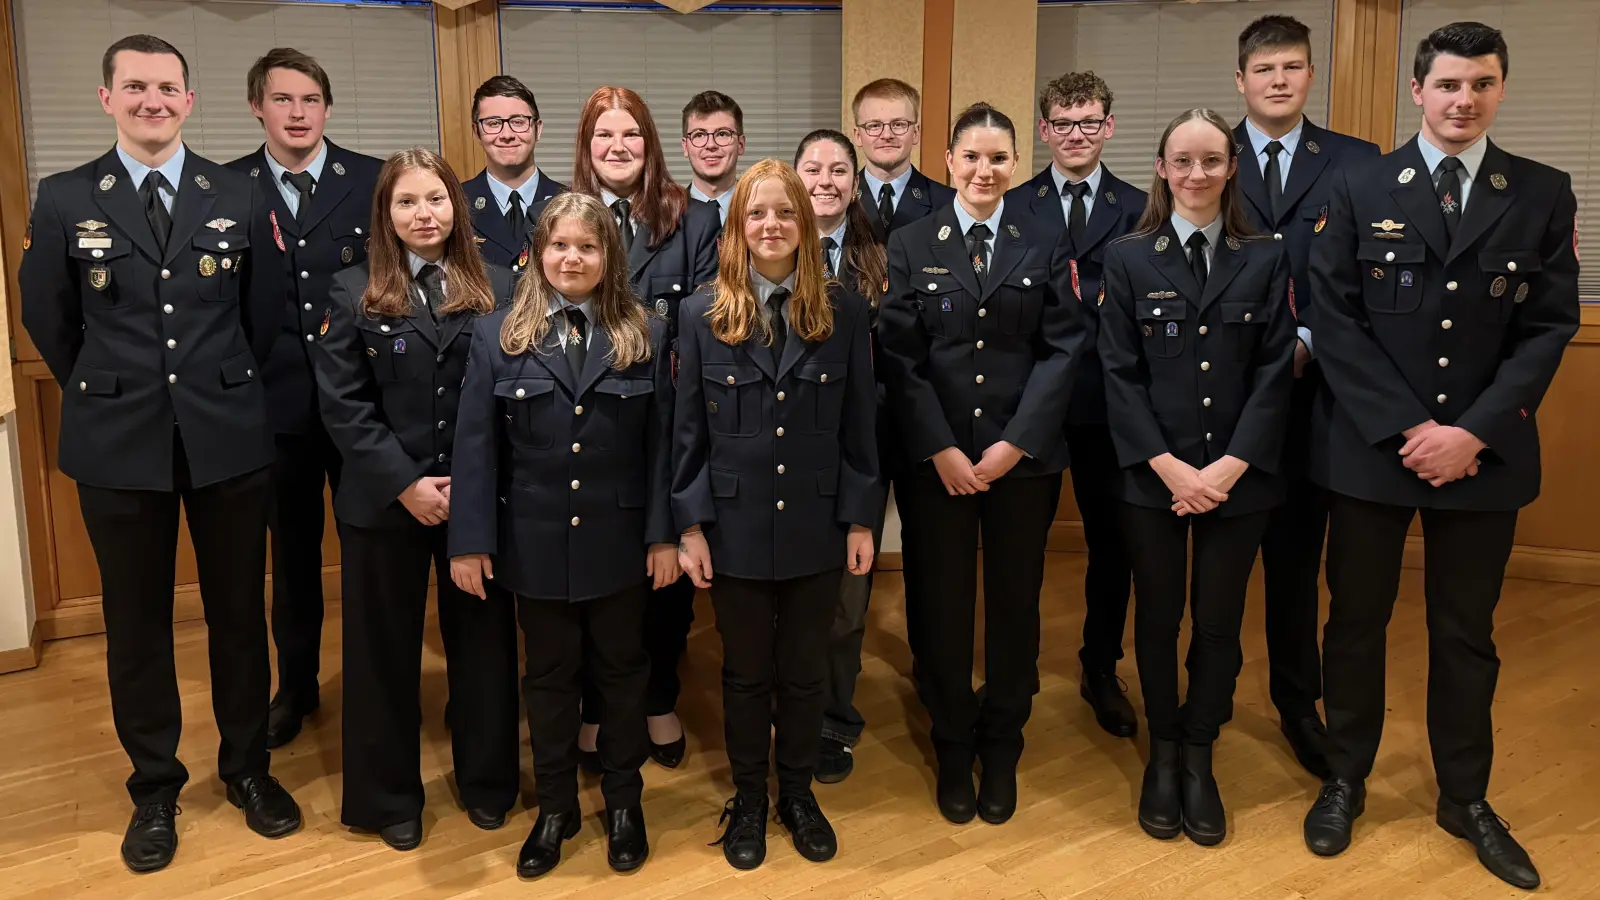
{"type": "Point", "coordinates": [24, 657]}
{"type": "Point", "coordinates": [81, 616]}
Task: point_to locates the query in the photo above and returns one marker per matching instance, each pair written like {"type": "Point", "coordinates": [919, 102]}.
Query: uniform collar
{"type": "Point", "coordinates": [838, 233]}
{"type": "Point", "coordinates": [1184, 228]}
{"type": "Point", "coordinates": [1471, 158]}
{"type": "Point", "coordinates": [502, 191]}
{"type": "Point", "coordinates": [966, 220]}
{"type": "Point", "coordinates": [1061, 180]}
{"type": "Point", "coordinates": [899, 184]}
{"type": "Point", "coordinates": [172, 169]}
{"type": "Point", "coordinates": [418, 262]}
{"type": "Point", "coordinates": [764, 288]}
{"type": "Point", "coordinates": [1259, 139]}
{"type": "Point", "coordinates": [559, 302]}
{"type": "Point", "coordinates": [315, 167]}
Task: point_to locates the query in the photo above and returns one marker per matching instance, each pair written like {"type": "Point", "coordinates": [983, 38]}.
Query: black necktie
{"type": "Point", "coordinates": [885, 206]}
{"type": "Point", "coordinates": [1449, 189]}
{"type": "Point", "coordinates": [1274, 179]}
{"type": "Point", "coordinates": [1197, 257]}
{"type": "Point", "coordinates": [1078, 216]}
{"type": "Point", "coordinates": [577, 340]}
{"type": "Point", "coordinates": [780, 328]}
{"type": "Point", "coordinates": [623, 210]}
{"type": "Point", "coordinates": [154, 209]}
{"type": "Point", "coordinates": [431, 277]}
{"type": "Point", "coordinates": [304, 184]}
{"type": "Point", "coordinates": [515, 216]}
{"type": "Point", "coordinates": [978, 250]}
{"type": "Point", "coordinates": [828, 246]}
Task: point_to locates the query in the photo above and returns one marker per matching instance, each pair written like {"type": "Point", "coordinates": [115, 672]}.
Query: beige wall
{"type": "Point", "coordinates": [992, 60]}
{"type": "Point", "coordinates": [16, 587]}
{"type": "Point", "coordinates": [879, 39]}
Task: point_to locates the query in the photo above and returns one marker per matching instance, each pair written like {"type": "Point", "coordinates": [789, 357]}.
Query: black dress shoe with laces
{"type": "Point", "coordinates": [1499, 852]}
{"type": "Point", "coordinates": [286, 715]}
{"type": "Point", "coordinates": [1160, 798]}
{"type": "Point", "coordinates": [835, 762]}
{"type": "Point", "coordinates": [997, 792]}
{"type": "Point", "coordinates": [542, 850]}
{"type": "Point", "coordinates": [808, 827]}
{"type": "Point", "coordinates": [268, 808]}
{"type": "Point", "coordinates": [488, 820]}
{"type": "Point", "coordinates": [1333, 816]}
{"type": "Point", "coordinates": [627, 845]}
{"type": "Point", "coordinates": [1107, 696]}
{"type": "Point", "coordinates": [151, 838]}
{"type": "Point", "coordinates": [402, 836]}
{"type": "Point", "coordinates": [1308, 739]}
{"type": "Point", "coordinates": [1204, 820]}
{"type": "Point", "coordinates": [744, 842]}
{"type": "Point", "coordinates": [958, 801]}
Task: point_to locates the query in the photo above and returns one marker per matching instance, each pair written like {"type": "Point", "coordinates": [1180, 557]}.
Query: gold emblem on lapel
{"type": "Point", "coordinates": [1377, 273]}
{"type": "Point", "coordinates": [203, 182]}
{"type": "Point", "coordinates": [479, 203]}
{"type": "Point", "coordinates": [944, 233]}
{"type": "Point", "coordinates": [1389, 225]}
{"type": "Point", "coordinates": [99, 277]}
{"type": "Point", "coordinates": [917, 193]}
{"type": "Point", "coordinates": [27, 237]}
{"type": "Point", "coordinates": [107, 182]}
{"type": "Point", "coordinates": [91, 225]}
{"type": "Point", "coordinates": [1162, 244]}
{"type": "Point", "coordinates": [713, 406]}
{"type": "Point", "coordinates": [1161, 295]}
{"type": "Point", "coordinates": [478, 240]}
{"type": "Point", "coordinates": [221, 224]}
{"type": "Point", "coordinates": [346, 255]}
{"type": "Point", "coordinates": [338, 168]}
{"type": "Point", "coordinates": [1407, 174]}
{"type": "Point", "coordinates": [372, 351]}
{"type": "Point", "coordinates": [1522, 292]}
{"type": "Point", "coordinates": [208, 266]}
{"type": "Point", "coordinates": [255, 172]}
{"type": "Point", "coordinates": [1232, 242]}
{"type": "Point", "coordinates": [935, 270]}
{"type": "Point", "coordinates": [1497, 287]}
{"type": "Point", "coordinates": [1014, 232]}
{"type": "Point", "coordinates": [1498, 180]}
{"type": "Point", "coordinates": [1043, 190]}
{"type": "Point", "coordinates": [1312, 146]}
{"type": "Point", "coordinates": [1111, 198]}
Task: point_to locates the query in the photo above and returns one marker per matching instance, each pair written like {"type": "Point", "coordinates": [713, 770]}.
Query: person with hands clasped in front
{"type": "Point", "coordinates": [980, 336]}
{"type": "Point", "coordinates": [775, 490]}
{"type": "Point", "coordinates": [389, 360]}
{"type": "Point", "coordinates": [1197, 343]}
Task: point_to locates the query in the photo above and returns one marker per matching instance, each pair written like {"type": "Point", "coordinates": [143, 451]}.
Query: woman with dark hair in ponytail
{"type": "Point", "coordinates": [1197, 342]}
{"type": "Point", "coordinates": [851, 255]}
{"type": "Point", "coordinates": [981, 335]}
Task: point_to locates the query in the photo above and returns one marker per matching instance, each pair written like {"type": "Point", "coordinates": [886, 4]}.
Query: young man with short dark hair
{"type": "Point", "coordinates": [505, 117]}
{"type": "Point", "coordinates": [713, 141]}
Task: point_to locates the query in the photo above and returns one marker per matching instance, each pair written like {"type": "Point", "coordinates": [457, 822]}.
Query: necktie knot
{"type": "Point", "coordinates": [623, 210]}
{"type": "Point", "coordinates": [516, 201]}
{"type": "Point", "coordinates": [1197, 242]}
{"type": "Point", "coordinates": [1078, 189]}
{"type": "Point", "coordinates": [303, 182]}
{"type": "Point", "coordinates": [1450, 164]}
{"type": "Point", "coordinates": [777, 299]}
{"type": "Point", "coordinates": [828, 244]}
{"type": "Point", "coordinates": [979, 231]}
{"type": "Point", "coordinates": [1274, 148]}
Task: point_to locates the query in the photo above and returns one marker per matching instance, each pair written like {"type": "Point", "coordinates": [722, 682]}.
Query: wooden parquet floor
{"type": "Point", "coordinates": [63, 806]}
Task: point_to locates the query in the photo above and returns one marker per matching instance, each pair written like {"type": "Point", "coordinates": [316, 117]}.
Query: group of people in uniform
{"type": "Point", "coordinates": [579, 403]}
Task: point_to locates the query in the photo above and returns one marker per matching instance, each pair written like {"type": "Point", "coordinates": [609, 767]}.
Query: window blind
{"type": "Point", "coordinates": [1551, 112]}
{"type": "Point", "coordinates": [379, 58]}
{"type": "Point", "coordinates": [1161, 57]}
{"type": "Point", "coordinates": [784, 69]}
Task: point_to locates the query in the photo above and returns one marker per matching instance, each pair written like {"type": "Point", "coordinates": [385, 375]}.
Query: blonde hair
{"type": "Point", "coordinates": [612, 304]}
{"type": "Point", "coordinates": [735, 311]}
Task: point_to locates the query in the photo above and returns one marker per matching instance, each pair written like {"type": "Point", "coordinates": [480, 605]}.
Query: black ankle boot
{"type": "Point", "coordinates": [1204, 820]}
{"type": "Point", "coordinates": [744, 842]}
{"type": "Point", "coordinates": [1161, 798]}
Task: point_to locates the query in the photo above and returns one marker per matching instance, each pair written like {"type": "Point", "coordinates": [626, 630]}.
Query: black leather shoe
{"type": "Point", "coordinates": [744, 842]}
{"type": "Point", "coordinates": [542, 850]}
{"type": "Point", "coordinates": [486, 819]}
{"type": "Point", "coordinates": [1161, 797]}
{"type": "Point", "coordinates": [1204, 820]}
{"type": "Point", "coordinates": [997, 792]}
{"type": "Point", "coordinates": [1308, 739]}
{"type": "Point", "coordinates": [812, 834]}
{"type": "Point", "coordinates": [151, 838]}
{"type": "Point", "coordinates": [958, 802]}
{"type": "Point", "coordinates": [1333, 816]}
{"type": "Point", "coordinates": [627, 845]}
{"type": "Point", "coordinates": [268, 808]}
{"type": "Point", "coordinates": [1499, 852]}
{"type": "Point", "coordinates": [285, 716]}
{"type": "Point", "coordinates": [403, 836]}
{"type": "Point", "coordinates": [670, 755]}
{"type": "Point", "coordinates": [1106, 694]}
{"type": "Point", "coordinates": [835, 762]}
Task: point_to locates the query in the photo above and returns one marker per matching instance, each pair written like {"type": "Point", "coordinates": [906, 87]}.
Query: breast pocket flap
{"type": "Point", "coordinates": [1173, 310]}
{"type": "Point", "coordinates": [1390, 252]}
{"type": "Point", "coordinates": [523, 388]}
{"type": "Point", "coordinates": [1510, 262]}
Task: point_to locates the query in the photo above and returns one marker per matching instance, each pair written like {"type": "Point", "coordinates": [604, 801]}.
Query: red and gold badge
{"type": "Point", "coordinates": [522, 258]}
{"type": "Point", "coordinates": [326, 315]}
{"type": "Point", "coordinates": [1292, 308]}
{"type": "Point", "coordinates": [277, 236]}
{"type": "Point", "coordinates": [27, 237]}
{"type": "Point", "coordinates": [1322, 221]}
{"type": "Point", "coordinates": [1076, 291]}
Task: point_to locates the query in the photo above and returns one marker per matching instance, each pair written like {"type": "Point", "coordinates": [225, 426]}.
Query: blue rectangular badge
{"type": "Point", "coordinates": [1405, 279]}
{"type": "Point", "coordinates": [399, 345]}
{"type": "Point", "coordinates": [1172, 329]}
{"type": "Point", "coordinates": [944, 305]}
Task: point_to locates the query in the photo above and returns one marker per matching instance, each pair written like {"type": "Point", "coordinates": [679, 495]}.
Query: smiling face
{"type": "Point", "coordinates": [1196, 166]}
{"type": "Point", "coordinates": [573, 260]}
{"type": "Point", "coordinates": [148, 98]}
{"type": "Point", "coordinates": [293, 110]}
{"type": "Point", "coordinates": [829, 177]}
{"type": "Point", "coordinates": [771, 228]}
{"type": "Point", "coordinates": [616, 150]}
{"type": "Point", "coordinates": [1459, 99]}
{"type": "Point", "coordinates": [887, 150]}
{"type": "Point", "coordinates": [981, 165]}
{"type": "Point", "coordinates": [1076, 151]}
{"type": "Point", "coordinates": [508, 148]}
{"type": "Point", "coordinates": [422, 213]}
{"type": "Point", "coordinates": [713, 160]}
{"type": "Point", "coordinates": [1276, 82]}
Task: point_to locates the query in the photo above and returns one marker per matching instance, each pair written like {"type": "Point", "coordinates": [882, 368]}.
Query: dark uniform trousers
{"type": "Point", "coordinates": [969, 365]}
{"type": "Point", "coordinates": [777, 459]}
{"type": "Point", "coordinates": [1466, 330]}
{"type": "Point", "coordinates": [294, 263]}
{"type": "Point", "coordinates": [161, 404]}
{"type": "Point", "coordinates": [389, 388]}
{"type": "Point", "coordinates": [1291, 548]}
{"type": "Point", "coordinates": [1201, 372]}
{"type": "Point", "coordinates": [1108, 577]}
{"type": "Point", "coordinates": [563, 478]}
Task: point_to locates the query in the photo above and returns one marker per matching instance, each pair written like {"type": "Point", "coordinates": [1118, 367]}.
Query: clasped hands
{"type": "Point", "coordinates": [1440, 454]}
{"type": "Point", "coordinates": [1197, 491]}
{"type": "Point", "coordinates": [962, 478]}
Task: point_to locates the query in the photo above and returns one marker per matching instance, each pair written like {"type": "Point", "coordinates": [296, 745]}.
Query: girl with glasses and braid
{"type": "Point", "coordinates": [1197, 333]}
{"type": "Point", "coordinates": [670, 243]}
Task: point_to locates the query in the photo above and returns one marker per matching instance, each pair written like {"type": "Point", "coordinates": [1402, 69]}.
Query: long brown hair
{"type": "Point", "coordinates": [735, 311]}
{"type": "Point", "coordinates": [612, 303]}
{"type": "Point", "coordinates": [660, 201]}
{"type": "Point", "coordinates": [862, 252]}
{"type": "Point", "coordinates": [389, 282]}
{"type": "Point", "coordinates": [1159, 207]}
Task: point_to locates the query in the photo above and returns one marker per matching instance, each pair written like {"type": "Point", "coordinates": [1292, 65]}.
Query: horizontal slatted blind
{"type": "Point", "coordinates": [1162, 57]}
{"type": "Point", "coordinates": [783, 69]}
{"type": "Point", "coordinates": [1552, 108]}
{"type": "Point", "coordinates": [379, 58]}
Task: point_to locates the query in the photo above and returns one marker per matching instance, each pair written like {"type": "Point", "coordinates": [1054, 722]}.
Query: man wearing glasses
{"type": "Point", "coordinates": [713, 141]}
{"type": "Point", "coordinates": [892, 191]}
{"type": "Point", "coordinates": [1093, 208]}
{"type": "Point", "coordinates": [505, 117]}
